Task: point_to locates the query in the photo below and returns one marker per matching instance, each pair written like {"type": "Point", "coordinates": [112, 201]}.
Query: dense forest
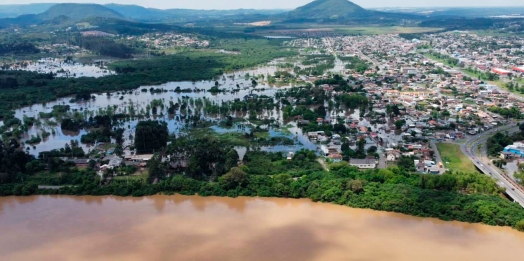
{"type": "Point", "coordinates": [17, 48]}
{"type": "Point", "coordinates": [150, 136]}
{"type": "Point", "coordinates": [104, 46]}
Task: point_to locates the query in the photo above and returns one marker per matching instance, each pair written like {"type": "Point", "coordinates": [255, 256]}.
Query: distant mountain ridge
{"type": "Point", "coordinates": [58, 14]}
{"type": "Point", "coordinates": [137, 12]}
{"type": "Point", "coordinates": [79, 11]}
{"type": "Point", "coordinates": [13, 11]}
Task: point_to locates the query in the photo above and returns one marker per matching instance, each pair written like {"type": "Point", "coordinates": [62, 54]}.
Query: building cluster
{"type": "Point", "coordinates": [499, 55]}
{"type": "Point", "coordinates": [170, 40]}
{"type": "Point", "coordinates": [61, 50]}
{"type": "Point", "coordinates": [417, 99]}
{"type": "Point", "coordinates": [513, 151]}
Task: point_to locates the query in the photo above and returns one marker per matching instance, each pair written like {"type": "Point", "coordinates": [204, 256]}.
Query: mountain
{"type": "Point", "coordinates": [79, 11]}
{"type": "Point", "coordinates": [328, 9]}
{"type": "Point", "coordinates": [23, 20]}
{"type": "Point", "coordinates": [184, 15]}
{"type": "Point", "coordinates": [138, 12]}
{"type": "Point", "coordinates": [12, 11]}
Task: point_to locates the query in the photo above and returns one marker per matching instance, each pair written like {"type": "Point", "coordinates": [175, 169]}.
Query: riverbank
{"type": "Point", "coordinates": [453, 196]}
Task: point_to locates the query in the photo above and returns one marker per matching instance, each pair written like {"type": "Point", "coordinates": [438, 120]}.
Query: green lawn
{"type": "Point", "coordinates": [457, 160]}
{"type": "Point", "coordinates": [140, 177]}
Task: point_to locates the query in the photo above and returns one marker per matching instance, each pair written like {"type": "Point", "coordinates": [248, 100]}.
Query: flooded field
{"type": "Point", "coordinates": [138, 100]}
{"type": "Point", "coordinates": [63, 68]}
{"type": "Point", "coordinates": [193, 228]}
{"type": "Point", "coordinates": [195, 95]}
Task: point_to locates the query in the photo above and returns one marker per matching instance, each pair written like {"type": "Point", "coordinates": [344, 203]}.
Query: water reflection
{"type": "Point", "coordinates": [138, 100]}
{"type": "Point", "coordinates": [196, 228]}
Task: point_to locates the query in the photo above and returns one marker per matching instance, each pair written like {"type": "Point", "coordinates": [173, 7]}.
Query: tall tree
{"type": "Point", "coordinates": [150, 136]}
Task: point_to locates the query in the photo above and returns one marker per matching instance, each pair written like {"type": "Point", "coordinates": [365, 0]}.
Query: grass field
{"type": "Point", "coordinates": [140, 176]}
{"type": "Point", "coordinates": [454, 159]}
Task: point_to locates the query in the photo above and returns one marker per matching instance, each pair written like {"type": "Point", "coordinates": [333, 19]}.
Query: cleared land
{"type": "Point", "coordinates": [454, 159]}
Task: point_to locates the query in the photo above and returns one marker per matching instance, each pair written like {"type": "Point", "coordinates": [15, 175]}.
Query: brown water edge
{"type": "Point", "coordinates": [159, 228]}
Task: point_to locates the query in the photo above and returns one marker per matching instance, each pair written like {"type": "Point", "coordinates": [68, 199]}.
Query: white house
{"type": "Point", "coordinates": [363, 163]}
{"type": "Point", "coordinates": [391, 156]}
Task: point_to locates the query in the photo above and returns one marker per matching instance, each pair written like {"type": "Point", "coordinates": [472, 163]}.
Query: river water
{"type": "Point", "coordinates": [163, 228]}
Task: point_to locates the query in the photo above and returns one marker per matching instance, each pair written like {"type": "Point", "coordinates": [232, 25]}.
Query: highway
{"type": "Point", "coordinates": [480, 159]}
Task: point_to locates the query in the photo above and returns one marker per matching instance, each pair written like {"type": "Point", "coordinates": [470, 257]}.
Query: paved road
{"type": "Point", "coordinates": [437, 156]}
{"type": "Point", "coordinates": [480, 159]}
{"type": "Point", "coordinates": [382, 163]}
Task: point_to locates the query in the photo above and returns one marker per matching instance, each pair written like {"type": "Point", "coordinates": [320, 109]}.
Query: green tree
{"type": "Point", "coordinates": [399, 124]}
{"type": "Point", "coordinates": [234, 178]}
{"type": "Point", "coordinates": [155, 169]}
{"type": "Point", "coordinates": [231, 159]}
{"type": "Point", "coordinates": [520, 225]}
{"type": "Point", "coordinates": [150, 136]}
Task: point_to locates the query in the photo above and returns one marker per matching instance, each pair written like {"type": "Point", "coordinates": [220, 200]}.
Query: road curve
{"type": "Point", "coordinates": [479, 158]}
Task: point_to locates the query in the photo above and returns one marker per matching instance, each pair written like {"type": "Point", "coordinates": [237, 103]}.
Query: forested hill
{"type": "Point", "coordinates": [328, 9]}
{"type": "Point", "coordinates": [138, 12]}
{"type": "Point", "coordinates": [79, 11]}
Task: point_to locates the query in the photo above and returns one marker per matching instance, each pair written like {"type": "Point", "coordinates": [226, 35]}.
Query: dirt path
{"type": "Point", "coordinates": [323, 163]}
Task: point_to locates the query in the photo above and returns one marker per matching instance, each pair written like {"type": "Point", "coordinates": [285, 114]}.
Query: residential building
{"type": "Point", "coordinates": [363, 163]}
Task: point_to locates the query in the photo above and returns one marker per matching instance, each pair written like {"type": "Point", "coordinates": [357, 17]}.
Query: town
{"type": "Point", "coordinates": [421, 92]}
{"type": "Point", "coordinates": [262, 130]}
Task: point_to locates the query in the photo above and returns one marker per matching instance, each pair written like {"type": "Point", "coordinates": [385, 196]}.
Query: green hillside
{"type": "Point", "coordinates": [79, 11]}
{"type": "Point", "coordinates": [328, 9]}
{"type": "Point", "coordinates": [138, 12]}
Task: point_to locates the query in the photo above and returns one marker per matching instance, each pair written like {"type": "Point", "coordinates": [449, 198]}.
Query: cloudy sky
{"type": "Point", "coordinates": [277, 4]}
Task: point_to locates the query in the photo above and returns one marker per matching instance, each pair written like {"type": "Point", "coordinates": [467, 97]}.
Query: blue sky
{"type": "Point", "coordinates": [278, 4]}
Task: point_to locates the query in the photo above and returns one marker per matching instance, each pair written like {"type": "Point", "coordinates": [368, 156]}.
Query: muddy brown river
{"type": "Point", "coordinates": [163, 228]}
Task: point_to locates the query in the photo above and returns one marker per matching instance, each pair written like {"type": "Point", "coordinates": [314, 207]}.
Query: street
{"type": "Point", "coordinates": [437, 156]}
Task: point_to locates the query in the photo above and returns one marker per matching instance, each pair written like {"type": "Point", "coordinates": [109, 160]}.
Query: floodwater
{"type": "Point", "coordinates": [137, 99]}
{"type": "Point", "coordinates": [64, 69]}
{"type": "Point", "coordinates": [236, 85]}
{"type": "Point", "coordinates": [163, 228]}
{"type": "Point", "coordinates": [123, 101]}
